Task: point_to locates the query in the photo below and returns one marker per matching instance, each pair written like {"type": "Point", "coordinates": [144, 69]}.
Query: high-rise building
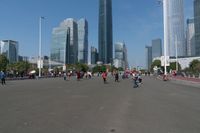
{"type": "Point", "coordinates": [105, 31]}
{"type": "Point", "coordinates": [197, 26]}
{"type": "Point", "coordinates": [174, 27]}
{"type": "Point", "coordinates": [83, 41]}
{"type": "Point", "coordinates": [64, 48]}
{"type": "Point", "coordinates": [190, 38]}
{"type": "Point", "coordinates": [94, 55]}
{"type": "Point", "coordinates": [156, 48]}
{"type": "Point", "coordinates": [148, 54]}
{"type": "Point", "coordinates": [9, 48]}
{"type": "Point", "coordinates": [120, 55]}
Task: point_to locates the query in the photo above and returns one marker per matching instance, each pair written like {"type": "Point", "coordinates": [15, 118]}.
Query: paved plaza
{"type": "Point", "coordinates": [89, 106]}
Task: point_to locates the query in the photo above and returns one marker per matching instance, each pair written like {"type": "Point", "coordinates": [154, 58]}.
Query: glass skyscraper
{"type": "Point", "coordinates": [83, 41]}
{"type": "Point", "coordinates": [197, 26]}
{"type": "Point", "coordinates": [174, 27]}
{"type": "Point", "coordinates": [190, 38]}
{"type": "Point", "coordinates": [105, 31]}
{"type": "Point", "coordinates": [64, 48]}
{"type": "Point", "coordinates": [120, 55]}
{"type": "Point", "coordinates": [148, 53]}
{"type": "Point", "coordinates": [156, 48]}
{"type": "Point", "coordinates": [9, 48]}
{"type": "Point", "coordinates": [94, 55]}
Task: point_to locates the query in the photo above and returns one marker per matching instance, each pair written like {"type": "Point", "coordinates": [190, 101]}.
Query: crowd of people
{"type": "Point", "coordinates": [135, 76]}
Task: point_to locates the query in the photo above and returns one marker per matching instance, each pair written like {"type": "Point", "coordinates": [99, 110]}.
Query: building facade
{"type": "Point", "coordinates": [197, 26]}
{"type": "Point", "coordinates": [190, 37]}
{"type": "Point", "coordinates": [64, 48]}
{"type": "Point", "coordinates": [174, 27]}
{"type": "Point", "coordinates": [105, 31]}
{"type": "Point", "coordinates": [9, 48]}
{"type": "Point", "coordinates": [148, 54]}
{"type": "Point", "coordinates": [94, 55]}
{"type": "Point", "coordinates": [120, 56]}
{"type": "Point", "coordinates": [83, 41]}
{"type": "Point", "coordinates": [156, 48]}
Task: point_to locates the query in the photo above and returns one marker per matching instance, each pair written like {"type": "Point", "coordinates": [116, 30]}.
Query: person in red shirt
{"type": "Point", "coordinates": [104, 76]}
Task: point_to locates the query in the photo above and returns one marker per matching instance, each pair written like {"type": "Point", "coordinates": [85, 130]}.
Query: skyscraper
{"type": "Point", "coordinates": [148, 53]}
{"type": "Point", "coordinates": [156, 48]}
{"type": "Point", "coordinates": [94, 55]}
{"type": "Point", "coordinates": [105, 31]}
{"type": "Point", "coordinates": [64, 48]}
{"type": "Point", "coordinates": [197, 26]}
{"type": "Point", "coordinates": [83, 41]}
{"type": "Point", "coordinates": [120, 56]}
{"type": "Point", "coordinates": [190, 38]}
{"type": "Point", "coordinates": [9, 48]}
{"type": "Point", "coordinates": [174, 27]}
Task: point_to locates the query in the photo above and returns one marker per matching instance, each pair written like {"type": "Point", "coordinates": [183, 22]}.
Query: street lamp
{"type": "Point", "coordinates": [40, 44]}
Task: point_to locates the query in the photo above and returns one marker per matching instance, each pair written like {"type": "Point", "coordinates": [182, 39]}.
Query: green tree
{"type": "Point", "coordinates": [81, 67]}
{"type": "Point", "coordinates": [156, 63]}
{"type": "Point", "coordinates": [21, 67]}
{"type": "Point", "coordinates": [173, 66]}
{"type": "Point", "coordinates": [194, 65]}
{"type": "Point", "coordinates": [3, 62]}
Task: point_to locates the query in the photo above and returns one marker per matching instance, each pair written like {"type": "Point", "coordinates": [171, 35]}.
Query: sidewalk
{"type": "Point", "coordinates": [194, 82]}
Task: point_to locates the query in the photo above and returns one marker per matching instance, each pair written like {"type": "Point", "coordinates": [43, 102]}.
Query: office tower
{"type": "Point", "coordinates": [9, 48]}
{"type": "Point", "coordinates": [94, 55]}
{"type": "Point", "coordinates": [148, 54]}
{"type": "Point", "coordinates": [105, 31]}
{"type": "Point", "coordinates": [64, 48]}
{"type": "Point", "coordinates": [83, 41]}
{"type": "Point", "coordinates": [120, 55]}
{"type": "Point", "coordinates": [197, 26]}
{"type": "Point", "coordinates": [190, 38]}
{"type": "Point", "coordinates": [174, 27]}
{"type": "Point", "coordinates": [156, 48]}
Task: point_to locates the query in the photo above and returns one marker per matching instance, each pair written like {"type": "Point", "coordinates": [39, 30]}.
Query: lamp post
{"type": "Point", "coordinates": [40, 44]}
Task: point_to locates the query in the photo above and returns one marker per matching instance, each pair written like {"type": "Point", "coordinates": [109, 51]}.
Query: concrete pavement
{"type": "Point", "coordinates": [89, 106]}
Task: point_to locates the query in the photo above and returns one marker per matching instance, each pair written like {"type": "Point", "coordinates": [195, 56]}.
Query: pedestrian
{"type": "Point", "coordinates": [65, 76]}
{"type": "Point", "coordinates": [116, 77]}
{"type": "Point", "coordinates": [104, 76]}
{"type": "Point", "coordinates": [135, 80]}
{"type": "Point", "coordinates": [78, 74]}
{"type": "Point", "coordinates": [3, 78]}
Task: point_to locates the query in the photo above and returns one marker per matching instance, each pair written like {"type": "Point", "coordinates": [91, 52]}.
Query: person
{"type": "Point", "coordinates": [104, 76]}
{"type": "Point", "coordinates": [69, 75]}
{"type": "Point", "coordinates": [116, 77]}
{"type": "Point", "coordinates": [3, 78]}
{"type": "Point", "coordinates": [139, 78]}
{"type": "Point", "coordinates": [65, 76]}
{"type": "Point", "coordinates": [135, 80]}
{"type": "Point", "coordinates": [78, 75]}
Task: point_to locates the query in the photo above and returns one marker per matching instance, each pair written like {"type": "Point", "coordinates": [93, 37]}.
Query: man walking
{"type": "Point", "coordinates": [3, 78]}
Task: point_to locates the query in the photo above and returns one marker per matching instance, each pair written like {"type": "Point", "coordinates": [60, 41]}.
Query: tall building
{"type": "Point", "coordinates": [190, 38]}
{"type": "Point", "coordinates": [174, 27]}
{"type": "Point", "coordinates": [148, 54]}
{"type": "Point", "coordinates": [120, 56]}
{"type": "Point", "coordinates": [105, 31]}
{"type": "Point", "coordinates": [197, 26]}
{"type": "Point", "coordinates": [83, 41]}
{"type": "Point", "coordinates": [156, 48]}
{"type": "Point", "coordinates": [9, 48]}
{"type": "Point", "coordinates": [94, 55]}
{"type": "Point", "coordinates": [64, 48]}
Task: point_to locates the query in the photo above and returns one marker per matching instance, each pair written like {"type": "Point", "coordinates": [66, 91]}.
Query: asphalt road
{"type": "Point", "coordinates": [89, 106]}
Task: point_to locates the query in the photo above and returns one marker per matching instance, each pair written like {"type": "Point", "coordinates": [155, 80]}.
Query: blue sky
{"type": "Point", "coordinates": [136, 22]}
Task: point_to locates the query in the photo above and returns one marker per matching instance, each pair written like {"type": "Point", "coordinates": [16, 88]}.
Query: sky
{"type": "Point", "coordinates": [135, 22]}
